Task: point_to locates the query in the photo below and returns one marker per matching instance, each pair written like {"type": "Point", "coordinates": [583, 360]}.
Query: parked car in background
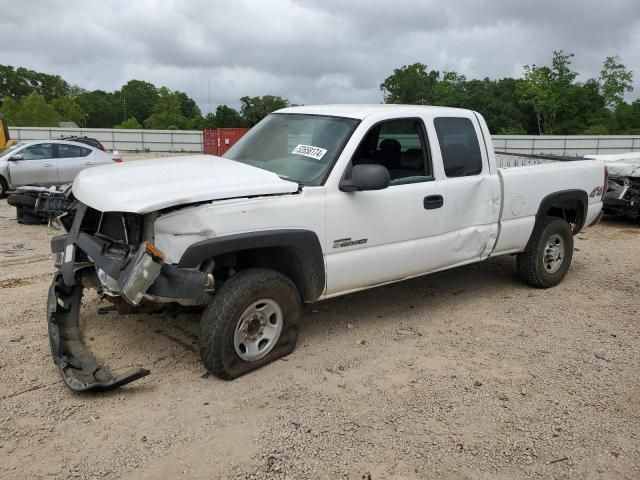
{"type": "Point", "coordinates": [47, 162]}
{"type": "Point", "coordinates": [86, 140]}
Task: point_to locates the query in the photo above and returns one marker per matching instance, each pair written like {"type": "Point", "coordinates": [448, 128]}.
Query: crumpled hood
{"type": "Point", "coordinates": [621, 165]}
{"type": "Point", "coordinates": [144, 186]}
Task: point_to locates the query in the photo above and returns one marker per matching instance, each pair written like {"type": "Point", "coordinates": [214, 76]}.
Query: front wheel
{"type": "Point", "coordinates": [4, 188]}
{"type": "Point", "coordinates": [548, 255]}
{"type": "Point", "coordinates": [251, 321]}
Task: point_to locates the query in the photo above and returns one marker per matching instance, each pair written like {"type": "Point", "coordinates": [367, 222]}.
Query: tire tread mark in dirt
{"type": "Point", "coordinates": [182, 343]}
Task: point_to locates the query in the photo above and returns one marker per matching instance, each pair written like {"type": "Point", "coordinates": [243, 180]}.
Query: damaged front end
{"type": "Point", "coordinates": [623, 197]}
{"type": "Point", "coordinates": [113, 253]}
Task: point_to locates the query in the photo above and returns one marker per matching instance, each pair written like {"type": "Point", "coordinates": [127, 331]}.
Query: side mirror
{"type": "Point", "coordinates": [366, 177]}
{"type": "Point", "coordinates": [16, 157]}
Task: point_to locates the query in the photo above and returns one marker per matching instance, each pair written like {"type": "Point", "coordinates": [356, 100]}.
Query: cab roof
{"type": "Point", "coordinates": [362, 111]}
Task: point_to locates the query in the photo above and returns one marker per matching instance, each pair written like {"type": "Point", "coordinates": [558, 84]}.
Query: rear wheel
{"type": "Point", "coordinates": [251, 321]}
{"type": "Point", "coordinates": [548, 256]}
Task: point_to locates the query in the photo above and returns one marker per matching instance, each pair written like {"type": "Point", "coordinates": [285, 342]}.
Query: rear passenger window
{"type": "Point", "coordinates": [72, 151]}
{"type": "Point", "coordinates": [459, 146]}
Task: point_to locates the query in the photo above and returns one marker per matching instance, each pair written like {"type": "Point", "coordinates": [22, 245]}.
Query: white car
{"type": "Point", "coordinates": [47, 163]}
{"type": "Point", "coordinates": [314, 202]}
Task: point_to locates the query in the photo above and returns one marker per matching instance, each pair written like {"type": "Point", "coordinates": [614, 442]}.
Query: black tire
{"type": "Point", "coordinates": [4, 188]}
{"type": "Point", "coordinates": [532, 267]}
{"type": "Point", "coordinates": [22, 200]}
{"type": "Point", "coordinates": [221, 317]}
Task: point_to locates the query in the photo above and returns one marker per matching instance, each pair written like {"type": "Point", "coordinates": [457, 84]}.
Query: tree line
{"type": "Point", "coordinates": [548, 99]}
{"type": "Point", "coordinates": [32, 98]}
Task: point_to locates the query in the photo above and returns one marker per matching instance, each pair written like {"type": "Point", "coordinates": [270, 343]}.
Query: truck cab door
{"type": "Point", "coordinates": [72, 159]}
{"type": "Point", "coordinates": [379, 236]}
{"type": "Point", "coordinates": [38, 166]}
{"type": "Point", "coordinates": [472, 197]}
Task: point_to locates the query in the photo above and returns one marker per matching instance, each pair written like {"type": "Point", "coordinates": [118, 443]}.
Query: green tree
{"type": "Point", "coordinates": [167, 112]}
{"type": "Point", "coordinates": [130, 123]}
{"type": "Point", "coordinates": [254, 109]}
{"type": "Point", "coordinates": [188, 106]}
{"type": "Point", "coordinates": [20, 82]}
{"type": "Point", "coordinates": [69, 110]}
{"type": "Point", "coordinates": [139, 99]}
{"type": "Point", "coordinates": [546, 87]}
{"type": "Point", "coordinates": [224, 117]}
{"type": "Point", "coordinates": [103, 110]}
{"type": "Point", "coordinates": [615, 81]}
{"type": "Point", "coordinates": [451, 90]}
{"type": "Point", "coordinates": [9, 109]}
{"type": "Point", "coordinates": [626, 118]}
{"type": "Point", "coordinates": [411, 84]}
{"type": "Point", "coordinates": [34, 111]}
{"type": "Point", "coordinates": [596, 130]}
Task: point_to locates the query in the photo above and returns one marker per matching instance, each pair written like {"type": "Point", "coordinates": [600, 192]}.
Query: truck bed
{"type": "Point", "coordinates": [528, 179]}
{"type": "Point", "coordinates": [511, 160]}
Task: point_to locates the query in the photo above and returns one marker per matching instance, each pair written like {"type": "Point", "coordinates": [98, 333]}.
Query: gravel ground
{"type": "Point", "coordinates": [461, 374]}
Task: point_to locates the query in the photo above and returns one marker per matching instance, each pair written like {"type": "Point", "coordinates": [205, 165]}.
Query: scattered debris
{"type": "Point", "coordinates": [600, 355]}
{"type": "Point", "coordinates": [477, 383]}
{"type": "Point", "coordinates": [556, 460]}
{"type": "Point", "coordinates": [409, 332]}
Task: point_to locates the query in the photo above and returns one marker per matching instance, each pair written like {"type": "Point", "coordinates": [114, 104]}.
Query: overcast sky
{"type": "Point", "coordinates": [320, 51]}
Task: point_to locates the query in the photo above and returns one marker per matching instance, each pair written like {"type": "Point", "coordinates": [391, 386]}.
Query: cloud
{"type": "Point", "coordinates": [307, 51]}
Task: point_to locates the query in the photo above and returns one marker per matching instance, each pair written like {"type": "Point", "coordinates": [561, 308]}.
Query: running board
{"type": "Point", "coordinates": [79, 369]}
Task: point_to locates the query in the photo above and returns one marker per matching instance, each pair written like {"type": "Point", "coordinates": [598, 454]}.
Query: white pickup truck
{"type": "Point", "coordinates": [312, 203]}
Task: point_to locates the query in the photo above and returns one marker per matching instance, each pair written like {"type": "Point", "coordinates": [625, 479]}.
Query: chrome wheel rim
{"type": "Point", "coordinates": [258, 330]}
{"type": "Point", "coordinates": [553, 254]}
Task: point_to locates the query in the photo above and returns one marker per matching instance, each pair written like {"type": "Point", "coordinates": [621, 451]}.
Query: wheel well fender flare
{"type": "Point", "coordinates": [304, 257]}
{"type": "Point", "coordinates": [574, 199]}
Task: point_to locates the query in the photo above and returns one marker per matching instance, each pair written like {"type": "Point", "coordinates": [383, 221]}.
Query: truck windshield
{"type": "Point", "coordinates": [300, 148]}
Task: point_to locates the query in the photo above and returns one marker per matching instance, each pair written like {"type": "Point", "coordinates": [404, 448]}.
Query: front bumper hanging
{"type": "Point", "coordinates": [79, 369]}
{"type": "Point", "coordinates": [142, 273]}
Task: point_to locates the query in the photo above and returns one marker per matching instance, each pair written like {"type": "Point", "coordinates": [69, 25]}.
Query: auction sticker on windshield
{"type": "Point", "coordinates": [309, 151]}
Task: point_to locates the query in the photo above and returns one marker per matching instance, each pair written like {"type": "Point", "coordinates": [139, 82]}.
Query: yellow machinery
{"type": "Point", "coordinates": [5, 140]}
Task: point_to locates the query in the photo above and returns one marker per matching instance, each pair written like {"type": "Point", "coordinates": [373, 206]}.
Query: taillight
{"type": "Point", "coordinates": [117, 160]}
{"type": "Point", "coordinates": [606, 183]}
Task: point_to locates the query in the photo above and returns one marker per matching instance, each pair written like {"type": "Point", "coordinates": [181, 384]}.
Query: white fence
{"type": "Point", "coordinates": [570, 145]}
{"type": "Point", "coordinates": [191, 141]}
{"type": "Point", "coordinates": [121, 139]}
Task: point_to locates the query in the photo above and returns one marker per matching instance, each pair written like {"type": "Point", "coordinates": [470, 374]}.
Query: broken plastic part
{"type": "Point", "coordinates": [79, 369]}
{"type": "Point", "coordinates": [144, 270]}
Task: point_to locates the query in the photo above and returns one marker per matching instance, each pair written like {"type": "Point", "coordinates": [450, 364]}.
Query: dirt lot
{"type": "Point", "coordinates": [462, 374]}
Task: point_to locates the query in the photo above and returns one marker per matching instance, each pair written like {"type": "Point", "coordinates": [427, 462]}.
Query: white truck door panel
{"type": "Point", "coordinates": [471, 211]}
{"type": "Point", "coordinates": [381, 236]}
{"type": "Point", "coordinates": [72, 159]}
{"type": "Point", "coordinates": [37, 167]}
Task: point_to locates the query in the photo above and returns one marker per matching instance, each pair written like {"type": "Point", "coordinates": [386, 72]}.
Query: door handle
{"type": "Point", "coordinates": [88, 163]}
{"type": "Point", "coordinates": [48, 165]}
{"type": "Point", "coordinates": [433, 201]}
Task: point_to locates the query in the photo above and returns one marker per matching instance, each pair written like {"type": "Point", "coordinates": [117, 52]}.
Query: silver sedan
{"type": "Point", "coordinates": [47, 162]}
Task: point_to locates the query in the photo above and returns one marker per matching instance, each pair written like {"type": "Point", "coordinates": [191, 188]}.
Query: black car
{"type": "Point", "coordinates": [86, 140]}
